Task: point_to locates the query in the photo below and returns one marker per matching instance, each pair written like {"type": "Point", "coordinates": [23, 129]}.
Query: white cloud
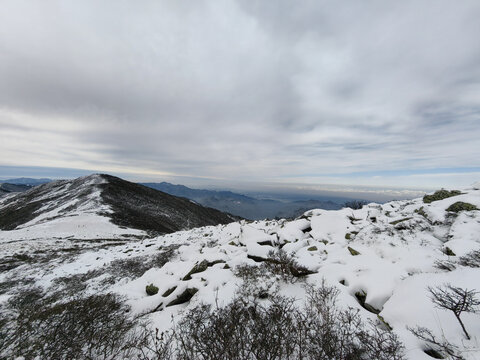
{"type": "Point", "coordinates": [241, 90]}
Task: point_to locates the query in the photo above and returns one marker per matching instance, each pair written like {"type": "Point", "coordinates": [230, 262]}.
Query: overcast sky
{"type": "Point", "coordinates": [381, 93]}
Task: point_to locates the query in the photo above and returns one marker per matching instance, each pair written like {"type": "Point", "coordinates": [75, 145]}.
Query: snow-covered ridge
{"type": "Point", "coordinates": [390, 253]}
{"type": "Point", "coordinates": [98, 206]}
{"type": "Point", "coordinates": [70, 199]}
{"type": "Point", "coordinates": [60, 208]}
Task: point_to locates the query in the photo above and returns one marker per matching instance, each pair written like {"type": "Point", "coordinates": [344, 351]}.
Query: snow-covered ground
{"type": "Point", "coordinates": [71, 209]}
{"type": "Point", "coordinates": [387, 251]}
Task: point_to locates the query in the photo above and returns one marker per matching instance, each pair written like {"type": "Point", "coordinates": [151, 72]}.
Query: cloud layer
{"type": "Point", "coordinates": [241, 90]}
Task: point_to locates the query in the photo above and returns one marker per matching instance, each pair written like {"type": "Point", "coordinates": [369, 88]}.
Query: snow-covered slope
{"type": "Point", "coordinates": [388, 254]}
{"type": "Point", "coordinates": [61, 209]}
{"type": "Point", "coordinates": [98, 206]}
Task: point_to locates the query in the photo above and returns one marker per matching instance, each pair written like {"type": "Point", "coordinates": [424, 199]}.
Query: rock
{"type": "Point", "coordinates": [353, 251]}
{"type": "Point", "coordinates": [384, 323]}
{"type": "Point", "coordinates": [300, 271]}
{"type": "Point", "coordinates": [361, 297]}
{"type": "Point", "coordinates": [256, 258]}
{"type": "Point", "coordinates": [200, 267]}
{"type": "Point", "coordinates": [183, 297]}
{"type": "Point", "coordinates": [265, 243]}
{"type": "Point", "coordinates": [399, 221]}
{"type": "Point", "coordinates": [263, 294]}
{"type": "Point", "coordinates": [169, 291]}
{"type": "Point", "coordinates": [449, 252]}
{"type": "Point", "coordinates": [433, 353]}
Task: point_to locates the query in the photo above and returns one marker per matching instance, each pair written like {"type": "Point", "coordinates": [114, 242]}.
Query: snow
{"type": "Point", "coordinates": [75, 211]}
{"type": "Point", "coordinates": [398, 248]}
{"type": "Point", "coordinates": [82, 226]}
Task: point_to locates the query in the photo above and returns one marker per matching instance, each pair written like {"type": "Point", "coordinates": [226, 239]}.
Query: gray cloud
{"type": "Point", "coordinates": [240, 90]}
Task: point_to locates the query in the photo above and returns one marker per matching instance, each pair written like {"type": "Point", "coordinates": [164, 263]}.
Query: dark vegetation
{"type": "Point", "coordinates": [11, 262]}
{"type": "Point", "coordinates": [7, 188]}
{"type": "Point", "coordinates": [69, 286]}
{"type": "Point", "coordinates": [280, 263]}
{"type": "Point", "coordinates": [8, 284]}
{"type": "Point", "coordinates": [94, 327]}
{"type": "Point", "coordinates": [58, 253]}
{"type": "Point", "coordinates": [144, 208]}
{"type": "Point", "coordinates": [65, 322]}
{"type": "Point", "coordinates": [66, 325]}
{"type": "Point", "coordinates": [134, 267]}
{"type": "Point", "coordinates": [461, 206]}
{"type": "Point", "coordinates": [440, 195]}
{"type": "Point", "coordinates": [278, 329]}
{"type": "Point", "coordinates": [12, 216]}
{"type": "Point", "coordinates": [355, 204]}
{"type": "Point", "coordinates": [151, 289]}
{"type": "Point", "coordinates": [471, 259]}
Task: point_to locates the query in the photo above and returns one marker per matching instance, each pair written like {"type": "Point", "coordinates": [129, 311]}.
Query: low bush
{"type": "Point", "coordinates": [281, 263]}
{"type": "Point", "coordinates": [98, 327]}
{"type": "Point", "coordinates": [257, 281]}
{"type": "Point", "coordinates": [435, 347]}
{"type": "Point", "coordinates": [95, 327]}
{"type": "Point", "coordinates": [471, 259]}
{"type": "Point", "coordinates": [280, 329]}
{"type": "Point", "coordinates": [355, 204]}
{"type": "Point", "coordinates": [262, 280]}
{"type": "Point", "coordinates": [440, 195]}
{"type": "Point", "coordinates": [461, 206]}
{"type": "Point", "coordinates": [151, 290]}
{"type": "Point", "coordinates": [136, 266]}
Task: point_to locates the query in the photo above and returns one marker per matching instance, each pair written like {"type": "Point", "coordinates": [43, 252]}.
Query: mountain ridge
{"type": "Point", "coordinates": [27, 181]}
{"type": "Point", "coordinates": [8, 188]}
{"type": "Point", "coordinates": [126, 204]}
{"type": "Point", "coordinates": [242, 205]}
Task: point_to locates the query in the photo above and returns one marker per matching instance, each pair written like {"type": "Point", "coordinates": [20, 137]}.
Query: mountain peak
{"type": "Point", "coordinates": [124, 204]}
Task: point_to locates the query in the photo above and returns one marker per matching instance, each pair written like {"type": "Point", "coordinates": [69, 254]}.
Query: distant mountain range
{"type": "Point", "coordinates": [245, 206]}
{"type": "Point", "coordinates": [126, 204]}
{"type": "Point", "coordinates": [7, 188]}
{"type": "Point", "coordinates": [26, 181]}
{"type": "Point", "coordinates": [226, 201]}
